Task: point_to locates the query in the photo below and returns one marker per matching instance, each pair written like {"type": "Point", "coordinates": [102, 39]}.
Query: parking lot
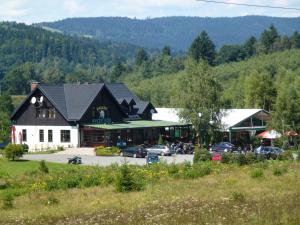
{"type": "Point", "coordinates": [105, 160]}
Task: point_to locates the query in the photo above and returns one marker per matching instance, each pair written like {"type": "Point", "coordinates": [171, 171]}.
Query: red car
{"type": "Point", "coordinates": [216, 157]}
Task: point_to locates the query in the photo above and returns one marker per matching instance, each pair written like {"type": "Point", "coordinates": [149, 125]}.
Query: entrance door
{"type": "Point", "coordinates": [93, 138]}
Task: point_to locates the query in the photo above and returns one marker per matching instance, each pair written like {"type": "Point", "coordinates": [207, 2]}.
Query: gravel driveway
{"type": "Point", "coordinates": [105, 160]}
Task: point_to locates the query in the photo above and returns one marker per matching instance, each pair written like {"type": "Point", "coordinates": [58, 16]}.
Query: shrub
{"type": "Point", "coordinates": [239, 159]}
{"type": "Point", "coordinates": [13, 151]}
{"type": "Point", "coordinates": [196, 154]}
{"type": "Point", "coordinates": [3, 184]}
{"type": "Point", "coordinates": [260, 158]}
{"type": "Point", "coordinates": [238, 196]}
{"type": "Point", "coordinates": [25, 148]}
{"type": "Point", "coordinates": [126, 181]}
{"type": "Point", "coordinates": [286, 155]}
{"type": "Point", "coordinates": [43, 167]}
{"type": "Point", "coordinates": [202, 155]}
{"type": "Point", "coordinates": [226, 157]}
{"type": "Point", "coordinates": [279, 171]}
{"type": "Point", "coordinates": [173, 170]}
{"type": "Point", "coordinates": [109, 151]}
{"type": "Point", "coordinates": [7, 200]}
{"type": "Point", "coordinates": [257, 173]}
{"type": "Point", "coordinates": [250, 158]}
{"type": "Point", "coordinates": [60, 148]}
{"type": "Point", "coordinates": [195, 171]}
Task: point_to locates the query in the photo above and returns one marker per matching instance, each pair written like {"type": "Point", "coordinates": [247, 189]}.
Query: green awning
{"type": "Point", "coordinates": [136, 124]}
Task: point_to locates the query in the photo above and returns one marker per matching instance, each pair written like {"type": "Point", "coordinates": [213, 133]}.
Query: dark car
{"type": "Point", "coordinates": [152, 158]}
{"type": "Point", "coordinates": [269, 152]}
{"type": "Point", "coordinates": [74, 160]}
{"type": "Point", "coordinates": [134, 151]}
{"type": "Point", "coordinates": [223, 147]}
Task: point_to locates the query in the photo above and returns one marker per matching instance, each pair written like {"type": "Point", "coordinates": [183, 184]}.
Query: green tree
{"type": "Point", "coordinates": [6, 105]}
{"type": "Point", "coordinates": [295, 40]}
{"type": "Point", "coordinates": [231, 53]}
{"type": "Point", "coordinates": [250, 47]}
{"type": "Point", "coordinates": [260, 91]}
{"type": "Point", "coordinates": [268, 38]}
{"type": "Point", "coordinates": [203, 48]}
{"type": "Point", "coordinates": [199, 97]}
{"type": "Point", "coordinates": [166, 51]}
{"type": "Point", "coordinates": [287, 107]}
{"type": "Point", "coordinates": [13, 151]}
{"type": "Point", "coordinates": [4, 127]}
{"type": "Point", "coordinates": [141, 56]}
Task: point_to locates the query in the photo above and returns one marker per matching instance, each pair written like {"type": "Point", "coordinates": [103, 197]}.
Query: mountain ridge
{"type": "Point", "coordinates": [178, 31]}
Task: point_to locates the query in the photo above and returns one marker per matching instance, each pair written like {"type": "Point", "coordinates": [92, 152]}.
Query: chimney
{"type": "Point", "coordinates": [34, 85]}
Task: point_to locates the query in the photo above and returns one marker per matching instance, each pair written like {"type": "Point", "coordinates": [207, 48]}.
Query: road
{"type": "Point", "coordinates": [105, 160]}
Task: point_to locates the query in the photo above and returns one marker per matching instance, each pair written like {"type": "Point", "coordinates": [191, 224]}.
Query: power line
{"type": "Point", "coordinates": [249, 5]}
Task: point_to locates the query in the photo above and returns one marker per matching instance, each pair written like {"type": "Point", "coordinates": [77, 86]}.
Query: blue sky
{"type": "Point", "coordinates": [31, 11]}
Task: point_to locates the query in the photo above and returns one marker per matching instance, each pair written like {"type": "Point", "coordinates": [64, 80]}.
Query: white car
{"type": "Point", "coordinates": [160, 150]}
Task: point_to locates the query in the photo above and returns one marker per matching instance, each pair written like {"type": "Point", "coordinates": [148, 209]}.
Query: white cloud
{"type": "Point", "coordinates": [73, 6]}
{"type": "Point", "coordinates": [13, 8]}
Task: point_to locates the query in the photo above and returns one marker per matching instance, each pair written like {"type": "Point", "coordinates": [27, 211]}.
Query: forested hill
{"type": "Point", "coordinates": [177, 32]}
{"type": "Point", "coordinates": [52, 57]}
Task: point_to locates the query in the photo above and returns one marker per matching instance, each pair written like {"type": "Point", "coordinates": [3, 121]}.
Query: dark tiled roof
{"type": "Point", "coordinates": [79, 98]}
{"type": "Point", "coordinates": [71, 100]}
{"type": "Point", "coordinates": [120, 91]}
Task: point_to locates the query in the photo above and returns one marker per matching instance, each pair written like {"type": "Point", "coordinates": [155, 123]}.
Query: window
{"type": "Point", "coordinates": [41, 135]}
{"type": "Point", "coordinates": [46, 113]}
{"type": "Point", "coordinates": [65, 136]}
{"type": "Point", "coordinates": [51, 113]}
{"type": "Point", "coordinates": [24, 135]}
{"type": "Point", "coordinates": [50, 136]}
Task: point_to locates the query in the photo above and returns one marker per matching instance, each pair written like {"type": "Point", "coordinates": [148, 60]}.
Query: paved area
{"type": "Point", "coordinates": [77, 151]}
{"type": "Point", "coordinates": [105, 160]}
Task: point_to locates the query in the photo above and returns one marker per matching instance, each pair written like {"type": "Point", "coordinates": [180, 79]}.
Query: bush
{"type": "Point", "coordinates": [13, 151]}
{"type": "Point", "coordinates": [201, 155]}
{"type": "Point", "coordinates": [173, 170]}
{"type": "Point", "coordinates": [7, 200]}
{"type": "Point", "coordinates": [43, 167]}
{"type": "Point", "coordinates": [238, 197]}
{"type": "Point", "coordinates": [60, 148]}
{"type": "Point", "coordinates": [195, 171]}
{"type": "Point", "coordinates": [279, 171]}
{"type": "Point", "coordinates": [126, 181]}
{"type": "Point", "coordinates": [226, 157]}
{"type": "Point", "coordinates": [257, 173]}
{"type": "Point", "coordinates": [250, 158]}
{"type": "Point", "coordinates": [109, 151]}
{"type": "Point", "coordinates": [25, 148]}
{"type": "Point", "coordinates": [286, 155]}
{"type": "Point", "coordinates": [239, 159]}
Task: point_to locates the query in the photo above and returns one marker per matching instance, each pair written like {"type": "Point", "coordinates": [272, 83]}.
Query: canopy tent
{"type": "Point", "coordinates": [272, 134]}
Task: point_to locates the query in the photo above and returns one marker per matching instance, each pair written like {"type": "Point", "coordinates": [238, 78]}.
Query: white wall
{"type": "Point", "coordinates": [33, 137]}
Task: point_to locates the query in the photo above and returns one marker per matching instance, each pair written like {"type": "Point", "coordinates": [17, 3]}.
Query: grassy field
{"type": "Point", "coordinates": [230, 194]}
{"type": "Point", "coordinates": [21, 167]}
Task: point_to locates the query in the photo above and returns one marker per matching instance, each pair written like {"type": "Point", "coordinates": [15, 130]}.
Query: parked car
{"type": "Point", "coordinates": [268, 152]}
{"type": "Point", "coordinates": [223, 147]}
{"type": "Point", "coordinates": [152, 158]}
{"type": "Point", "coordinates": [160, 150]}
{"type": "Point", "coordinates": [75, 160]}
{"type": "Point", "coordinates": [134, 151]}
